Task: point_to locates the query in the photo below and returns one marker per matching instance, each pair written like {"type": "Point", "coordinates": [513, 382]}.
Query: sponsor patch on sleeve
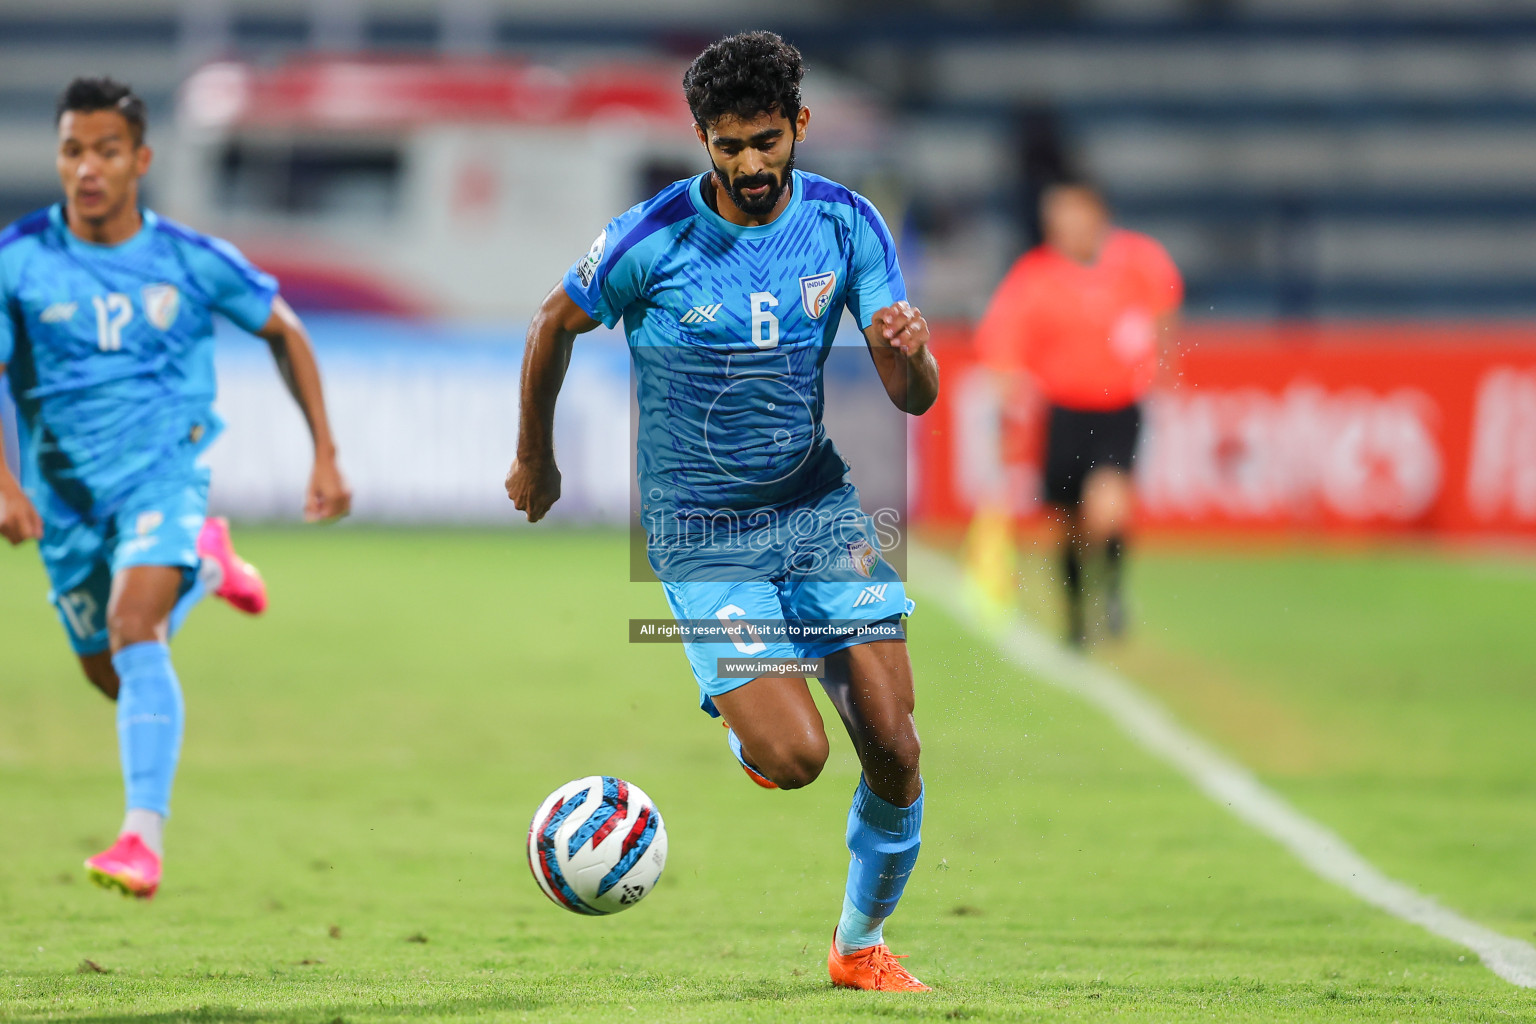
{"type": "Point", "coordinates": [587, 268]}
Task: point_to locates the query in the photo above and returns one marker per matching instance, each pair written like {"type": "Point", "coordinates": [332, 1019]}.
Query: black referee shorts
{"type": "Point", "coordinates": [1078, 442]}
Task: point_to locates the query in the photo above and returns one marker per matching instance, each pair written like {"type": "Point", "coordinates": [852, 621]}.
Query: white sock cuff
{"type": "Point", "coordinates": [857, 930]}
{"type": "Point", "coordinates": [147, 825]}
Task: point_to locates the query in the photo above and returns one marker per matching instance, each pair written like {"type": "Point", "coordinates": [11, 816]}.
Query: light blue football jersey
{"type": "Point", "coordinates": [109, 349]}
{"type": "Point", "coordinates": [729, 328]}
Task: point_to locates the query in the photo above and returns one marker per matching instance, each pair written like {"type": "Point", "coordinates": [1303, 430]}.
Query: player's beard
{"type": "Point", "coordinates": [770, 199]}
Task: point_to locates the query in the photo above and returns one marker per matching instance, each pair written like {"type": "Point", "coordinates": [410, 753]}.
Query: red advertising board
{"type": "Point", "coordinates": [1334, 428]}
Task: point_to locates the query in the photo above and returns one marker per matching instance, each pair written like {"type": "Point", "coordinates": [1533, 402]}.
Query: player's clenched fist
{"type": "Point", "coordinates": [19, 521]}
{"type": "Point", "coordinates": [328, 497]}
{"type": "Point", "coordinates": [533, 486]}
{"type": "Point", "coordinates": [903, 326]}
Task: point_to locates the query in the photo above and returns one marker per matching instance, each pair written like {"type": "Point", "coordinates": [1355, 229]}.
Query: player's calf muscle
{"type": "Point", "coordinates": [885, 735]}
{"type": "Point", "coordinates": [894, 751]}
{"type": "Point", "coordinates": [98, 669]}
{"type": "Point", "coordinates": [891, 765]}
{"type": "Point", "coordinates": [877, 701]}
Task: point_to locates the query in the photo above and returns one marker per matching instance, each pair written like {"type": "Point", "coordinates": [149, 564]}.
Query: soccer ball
{"type": "Point", "coordinates": [597, 845]}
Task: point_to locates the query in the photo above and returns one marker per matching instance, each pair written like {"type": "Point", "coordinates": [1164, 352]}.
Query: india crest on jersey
{"type": "Point", "coordinates": [863, 557]}
{"type": "Point", "coordinates": [816, 293]}
{"type": "Point", "coordinates": [161, 304]}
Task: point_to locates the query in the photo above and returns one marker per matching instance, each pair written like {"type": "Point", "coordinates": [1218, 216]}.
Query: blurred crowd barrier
{"type": "Point", "coordinates": [426, 418]}
{"type": "Point", "coordinates": [1339, 429]}
{"type": "Point", "coordinates": [426, 424]}
{"type": "Point", "coordinates": [1343, 429]}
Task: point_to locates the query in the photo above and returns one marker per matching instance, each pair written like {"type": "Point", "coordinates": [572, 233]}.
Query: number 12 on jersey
{"type": "Point", "coordinates": [112, 314]}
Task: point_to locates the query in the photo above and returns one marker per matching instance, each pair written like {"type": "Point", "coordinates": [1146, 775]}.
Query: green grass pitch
{"type": "Point", "coordinates": [360, 766]}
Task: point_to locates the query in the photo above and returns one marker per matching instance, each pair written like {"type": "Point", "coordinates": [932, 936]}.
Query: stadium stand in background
{"type": "Point", "coordinates": [1298, 158]}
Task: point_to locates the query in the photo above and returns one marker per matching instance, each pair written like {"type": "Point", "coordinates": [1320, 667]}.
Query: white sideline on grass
{"type": "Point", "coordinates": [1222, 779]}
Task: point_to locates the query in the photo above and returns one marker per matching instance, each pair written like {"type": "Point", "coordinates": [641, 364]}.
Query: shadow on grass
{"type": "Point", "coordinates": [815, 1001]}
{"type": "Point", "coordinates": [622, 996]}
{"type": "Point", "coordinates": [652, 996]}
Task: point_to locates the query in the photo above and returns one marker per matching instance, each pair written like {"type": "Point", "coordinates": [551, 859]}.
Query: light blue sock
{"type": "Point", "coordinates": [190, 599]}
{"type": "Point", "coordinates": [149, 724]}
{"type": "Point", "coordinates": [734, 742]}
{"type": "Point", "coordinates": [883, 841]}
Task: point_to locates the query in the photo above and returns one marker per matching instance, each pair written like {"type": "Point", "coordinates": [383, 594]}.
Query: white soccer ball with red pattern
{"type": "Point", "coordinates": [597, 845]}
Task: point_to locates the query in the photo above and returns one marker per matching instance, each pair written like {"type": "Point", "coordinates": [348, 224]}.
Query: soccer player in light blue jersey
{"type": "Point", "coordinates": [730, 286]}
{"type": "Point", "coordinates": [106, 339]}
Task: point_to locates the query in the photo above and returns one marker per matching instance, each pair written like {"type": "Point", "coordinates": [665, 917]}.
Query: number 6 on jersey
{"type": "Point", "coordinates": [765, 326]}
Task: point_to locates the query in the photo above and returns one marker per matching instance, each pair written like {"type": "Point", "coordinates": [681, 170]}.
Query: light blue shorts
{"type": "Point", "coordinates": [816, 566]}
{"type": "Point", "coordinates": [157, 523]}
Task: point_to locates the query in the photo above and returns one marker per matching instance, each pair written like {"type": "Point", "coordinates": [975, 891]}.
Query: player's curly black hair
{"type": "Point", "coordinates": [88, 94]}
{"type": "Point", "coordinates": [747, 74]}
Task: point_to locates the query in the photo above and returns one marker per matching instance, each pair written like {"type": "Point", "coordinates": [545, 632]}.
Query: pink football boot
{"type": "Point", "coordinates": [130, 867]}
{"type": "Point", "coordinates": [242, 586]}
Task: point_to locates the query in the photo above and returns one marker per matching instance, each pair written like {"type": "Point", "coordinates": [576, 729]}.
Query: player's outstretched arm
{"type": "Point", "coordinates": [898, 342]}
{"type": "Point", "coordinates": [19, 520]}
{"type": "Point", "coordinates": [533, 482]}
{"type": "Point", "coordinates": [328, 496]}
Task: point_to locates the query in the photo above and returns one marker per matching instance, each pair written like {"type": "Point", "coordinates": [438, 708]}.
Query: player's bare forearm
{"type": "Point", "coordinates": [328, 496]}
{"type": "Point", "coordinates": [284, 333]}
{"type": "Point", "coordinates": [19, 521]}
{"type": "Point", "coordinates": [533, 482]}
{"type": "Point", "coordinates": [551, 337]}
{"type": "Point", "coordinates": [922, 382]}
{"type": "Point", "coordinates": [898, 342]}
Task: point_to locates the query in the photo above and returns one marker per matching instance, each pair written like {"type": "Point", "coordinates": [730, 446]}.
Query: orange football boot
{"type": "Point", "coordinates": [873, 968]}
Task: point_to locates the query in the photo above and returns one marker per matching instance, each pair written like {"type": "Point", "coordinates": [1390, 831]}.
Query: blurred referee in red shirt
{"type": "Point", "coordinates": [1078, 322]}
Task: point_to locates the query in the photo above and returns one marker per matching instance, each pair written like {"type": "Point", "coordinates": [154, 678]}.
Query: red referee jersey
{"type": "Point", "coordinates": [1086, 334]}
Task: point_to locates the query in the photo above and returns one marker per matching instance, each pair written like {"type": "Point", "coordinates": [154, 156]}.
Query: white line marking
{"type": "Point", "coordinates": [1222, 779]}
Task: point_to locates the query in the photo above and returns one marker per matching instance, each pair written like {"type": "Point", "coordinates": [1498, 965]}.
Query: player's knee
{"type": "Point", "coordinates": [1102, 517]}
{"type": "Point", "coordinates": [1106, 501]}
{"type": "Point", "coordinates": [796, 765]}
{"type": "Point", "coordinates": [132, 625]}
{"type": "Point", "coordinates": [798, 771]}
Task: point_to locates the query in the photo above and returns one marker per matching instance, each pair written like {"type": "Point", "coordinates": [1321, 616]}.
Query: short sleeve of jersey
{"type": "Point", "coordinates": [235, 287]}
{"type": "Point", "coordinates": [877, 280]}
{"type": "Point", "coordinates": [610, 276]}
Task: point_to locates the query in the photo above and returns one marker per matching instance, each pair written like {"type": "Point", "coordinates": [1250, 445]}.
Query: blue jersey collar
{"type": "Point", "coordinates": [75, 242]}
{"type": "Point", "coordinates": [696, 197]}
